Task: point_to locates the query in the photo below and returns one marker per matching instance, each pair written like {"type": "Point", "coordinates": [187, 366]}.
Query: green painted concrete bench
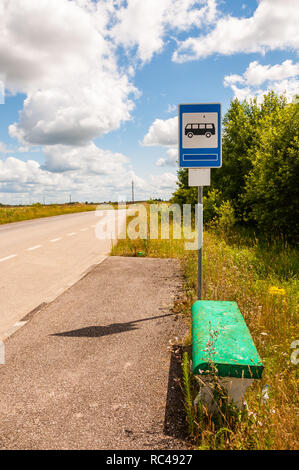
{"type": "Point", "coordinates": [222, 341]}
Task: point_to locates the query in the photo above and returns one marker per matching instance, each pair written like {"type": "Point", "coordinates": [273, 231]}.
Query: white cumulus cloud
{"type": "Point", "coordinates": [256, 74]}
{"type": "Point", "coordinates": [88, 173]}
{"type": "Point", "coordinates": [162, 132]}
{"type": "Point", "coordinates": [171, 159]}
{"type": "Point", "coordinates": [144, 24]}
{"type": "Point", "coordinates": [274, 25]}
{"type": "Point", "coordinates": [86, 176]}
{"type": "Point", "coordinates": [165, 181]}
{"type": "Point", "coordinates": [58, 54]}
{"type": "Point", "coordinates": [89, 160]}
{"type": "Point", "coordinates": [281, 78]}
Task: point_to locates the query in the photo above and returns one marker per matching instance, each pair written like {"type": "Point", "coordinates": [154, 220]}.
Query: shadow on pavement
{"type": "Point", "coordinates": [175, 424]}
{"type": "Point", "coordinates": [114, 328]}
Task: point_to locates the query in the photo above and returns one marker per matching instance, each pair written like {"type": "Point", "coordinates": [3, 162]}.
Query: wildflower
{"type": "Point", "coordinates": [277, 291]}
{"type": "Point", "coordinates": [252, 414]}
{"type": "Point", "coordinates": [265, 393]}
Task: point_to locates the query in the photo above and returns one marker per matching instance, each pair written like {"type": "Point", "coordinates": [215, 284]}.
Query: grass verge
{"type": "Point", "coordinates": [262, 278]}
{"type": "Point", "coordinates": [10, 214]}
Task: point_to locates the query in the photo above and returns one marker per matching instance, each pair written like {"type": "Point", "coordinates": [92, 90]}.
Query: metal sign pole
{"type": "Point", "coordinates": [200, 241]}
{"type": "Point", "coordinates": [199, 139]}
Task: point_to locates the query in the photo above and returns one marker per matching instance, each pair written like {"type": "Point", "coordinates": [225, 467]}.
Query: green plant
{"type": "Point", "coordinates": [211, 204]}
{"type": "Point", "coordinates": [225, 217]}
{"type": "Point", "coordinates": [188, 401]}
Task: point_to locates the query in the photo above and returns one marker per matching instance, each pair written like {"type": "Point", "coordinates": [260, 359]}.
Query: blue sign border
{"type": "Point", "coordinates": [200, 157]}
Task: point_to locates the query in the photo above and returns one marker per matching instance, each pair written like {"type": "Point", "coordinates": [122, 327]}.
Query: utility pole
{"type": "Point", "coordinates": [132, 191]}
{"type": "Point", "coordinates": [70, 199]}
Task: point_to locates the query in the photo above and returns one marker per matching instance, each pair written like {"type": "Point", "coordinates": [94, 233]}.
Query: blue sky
{"type": "Point", "coordinates": [92, 88]}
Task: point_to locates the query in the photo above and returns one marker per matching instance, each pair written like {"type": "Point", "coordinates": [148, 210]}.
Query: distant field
{"type": "Point", "coordinates": [10, 214]}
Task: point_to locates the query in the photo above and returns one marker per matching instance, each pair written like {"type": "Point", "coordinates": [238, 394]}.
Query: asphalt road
{"type": "Point", "coordinates": [40, 258]}
{"type": "Point", "coordinates": [95, 369]}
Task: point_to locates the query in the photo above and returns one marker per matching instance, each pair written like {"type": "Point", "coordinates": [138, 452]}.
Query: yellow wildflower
{"type": "Point", "coordinates": [277, 291]}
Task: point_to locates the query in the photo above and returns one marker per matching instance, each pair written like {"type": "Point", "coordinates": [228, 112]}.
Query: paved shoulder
{"type": "Point", "coordinates": [91, 370]}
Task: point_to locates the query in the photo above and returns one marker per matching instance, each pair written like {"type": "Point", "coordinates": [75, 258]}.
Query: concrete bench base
{"type": "Point", "coordinates": [234, 387]}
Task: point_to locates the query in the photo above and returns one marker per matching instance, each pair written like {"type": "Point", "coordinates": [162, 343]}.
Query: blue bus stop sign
{"type": "Point", "coordinates": [200, 135]}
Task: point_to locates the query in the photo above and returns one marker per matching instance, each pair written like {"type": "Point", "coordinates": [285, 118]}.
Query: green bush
{"type": "Point", "coordinates": [226, 217]}
{"type": "Point", "coordinates": [184, 194]}
{"type": "Point", "coordinates": [211, 204]}
{"type": "Point", "coordinates": [272, 185]}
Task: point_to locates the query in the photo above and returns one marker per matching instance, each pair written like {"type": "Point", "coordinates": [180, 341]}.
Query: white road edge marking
{"type": "Point", "coordinates": [71, 234]}
{"type": "Point", "coordinates": [20, 323]}
{"type": "Point", "coordinates": [83, 229]}
{"type": "Point", "coordinates": [33, 248]}
{"type": "Point", "coordinates": [11, 330]}
{"type": "Point", "coordinates": [7, 257]}
{"type": "Point", "coordinates": [55, 239]}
